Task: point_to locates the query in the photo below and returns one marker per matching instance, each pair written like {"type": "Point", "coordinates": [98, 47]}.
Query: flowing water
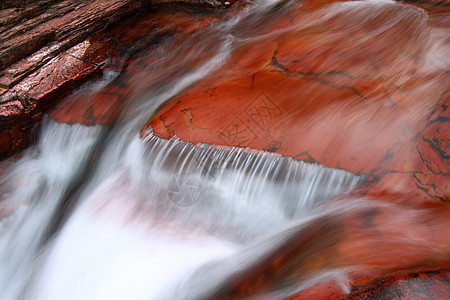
{"type": "Point", "coordinates": [98, 213]}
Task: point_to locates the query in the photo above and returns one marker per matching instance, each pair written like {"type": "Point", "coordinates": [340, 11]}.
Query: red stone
{"type": "Point", "coordinates": [151, 36]}
{"type": "Point", "coordinates": [417, 284]}
{"type": "Point", "coordinates": [11, 109]}
{"type": "Point", "coordinates": [57, 36]}
{"type": "Point", "coordinates": [330, 94]}
{"type": "Point", "coordinates": [426, 284]}
{"type": "Point", "coordinates": [365, 242]}
{"type": "Point", "coordinates": [333, 94]}
{"type": "Point", "coordinates": [5, 140]}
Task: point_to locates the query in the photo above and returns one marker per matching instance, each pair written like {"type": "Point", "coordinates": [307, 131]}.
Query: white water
{"type": "Point", "coordinates": [129, 238]}
{"type": "Point", "coordinates": [152, 219]}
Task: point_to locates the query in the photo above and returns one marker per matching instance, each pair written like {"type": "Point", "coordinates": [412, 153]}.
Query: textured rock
{"type": "Point", "coordinates": [199, 3]}
{"type": "Point", "coordinates": [21, 106]}
{"type": "Point", "coordinates": [41, 42]}
{"type": "Point", "coordinates": [339, 99]}
{"type": "Point", "coordinates": [69, 21]}
{"type": "Point", "coordinates": [112, 50]}
{"type": "Point", "coordinates": [426, 284]}
{"type": "Point", "coordinates": [418, 284]}
{"type": "Point", "coordinates": [47, 48]}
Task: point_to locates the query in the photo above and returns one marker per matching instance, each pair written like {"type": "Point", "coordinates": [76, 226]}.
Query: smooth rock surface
{"type": "Point", "coordinates": [362, 88]}
{"type": "Point", "coordinates": [365, 94]}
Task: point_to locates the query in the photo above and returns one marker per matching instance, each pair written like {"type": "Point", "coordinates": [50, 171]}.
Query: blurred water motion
{"type": "Point", "coordinates": [96, 212]}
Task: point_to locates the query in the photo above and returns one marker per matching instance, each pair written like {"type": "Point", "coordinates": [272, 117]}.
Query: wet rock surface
{"type": "Point", "coordinates": [342, 92]}
{"type": "Point", "coordinates": [48, 48]}
{"type": "Point", "coordinates": [39, 57]}
{"type": "Point", "coordinates": [431, 284]}
{"type": "Point", "coordinates": [336, 95]}
{"type": "Point", "coordinates": [423, 284]}
{"type": "Point", "coordinates": [137, 57]}
{"type": "Point", "coordinates": [67, 22]}
{"type": "Point", "coordinates": [379, 246]}
{"type": "Point", "coordinates": [342, 100]}
{"type": "Point", "coordinates": [195, 3]}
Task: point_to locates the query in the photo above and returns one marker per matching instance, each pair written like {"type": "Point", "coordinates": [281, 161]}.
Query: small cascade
{"type": "Point", "coordinates": [99, 213]}
{"type": "Point", "coordinates": [237, 187]}
{"type": "Point", "coordinates": [168, 203]}
{"type": "Point", "coordinates": [31, 192]}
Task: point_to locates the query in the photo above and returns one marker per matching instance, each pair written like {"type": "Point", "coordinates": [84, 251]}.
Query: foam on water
{"type": "Point", "coordinates": [100, 258]}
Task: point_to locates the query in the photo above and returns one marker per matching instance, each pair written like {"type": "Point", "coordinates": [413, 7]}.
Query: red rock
{"type": "Point", "coordinates": [60, 25]}
{"type": "Point", "coordinates": [156, 33]}
{"type": "Point", "coordinates": [51, 35]}
{"type": "Point", "coordinates": [426, 284]}
{"type": "Point", "coordinates": [366, 243]}
{"type": "Point", "coordinates": [5, 140]}
{"type": "Point", "coordinates": [417, 284]}
{"type": "Point", "coordinates": [46, 34]}
{"type": "Point", "coordinates": [379, 121]}
{"type": "Point", "coordinates": [331, 92]}
{"type": "Point", "coordinates": [34, 95]}
{"type": "Point", "coordinates": [11, 109]}
{"type": "Point", "coordinates": [91, 109]}
{"type": "Point", "coordinates": [18, 71]}
{"type": "Point", "coordinates": [200, 3]}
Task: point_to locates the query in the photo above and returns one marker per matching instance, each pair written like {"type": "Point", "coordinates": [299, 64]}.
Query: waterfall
{"type": "Point", "coordinates": [168, 208]}
{"type": "Point", "coordinates": [99, 213]}
{"type": "Point", "coordinates": [32, 191]}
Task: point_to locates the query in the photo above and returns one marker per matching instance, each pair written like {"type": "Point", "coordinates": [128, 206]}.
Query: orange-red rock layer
{"type": "Point", "coordinates": [362, 88]}
{"type": "Point", "coordinates": [334, 86]}
{"type": "Point", "coordinates": [330, 91]}
{"type": "Point", "coordinates": [363, 244]}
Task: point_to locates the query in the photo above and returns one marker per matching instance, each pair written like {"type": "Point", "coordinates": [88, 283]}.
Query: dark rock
{"type": "Point", "coordinates": [422, 283]}
{"type": "Point", "coordinates": [199, 3]}
{"type": "Point", "coordinates": [69, 22]}
{"type": "Point", "coordinates": [49, 47]}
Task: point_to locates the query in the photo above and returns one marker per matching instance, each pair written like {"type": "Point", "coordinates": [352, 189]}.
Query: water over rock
{"type": "Point", "coordinates": [47, 49]}
{"type": "Point", "coordinates": [358, 86]}
{"type": "Point", "coordinates": [361, 86]}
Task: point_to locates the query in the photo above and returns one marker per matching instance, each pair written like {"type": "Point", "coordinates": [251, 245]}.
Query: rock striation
{"type": "Point", "coordinates": [46, 51]}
